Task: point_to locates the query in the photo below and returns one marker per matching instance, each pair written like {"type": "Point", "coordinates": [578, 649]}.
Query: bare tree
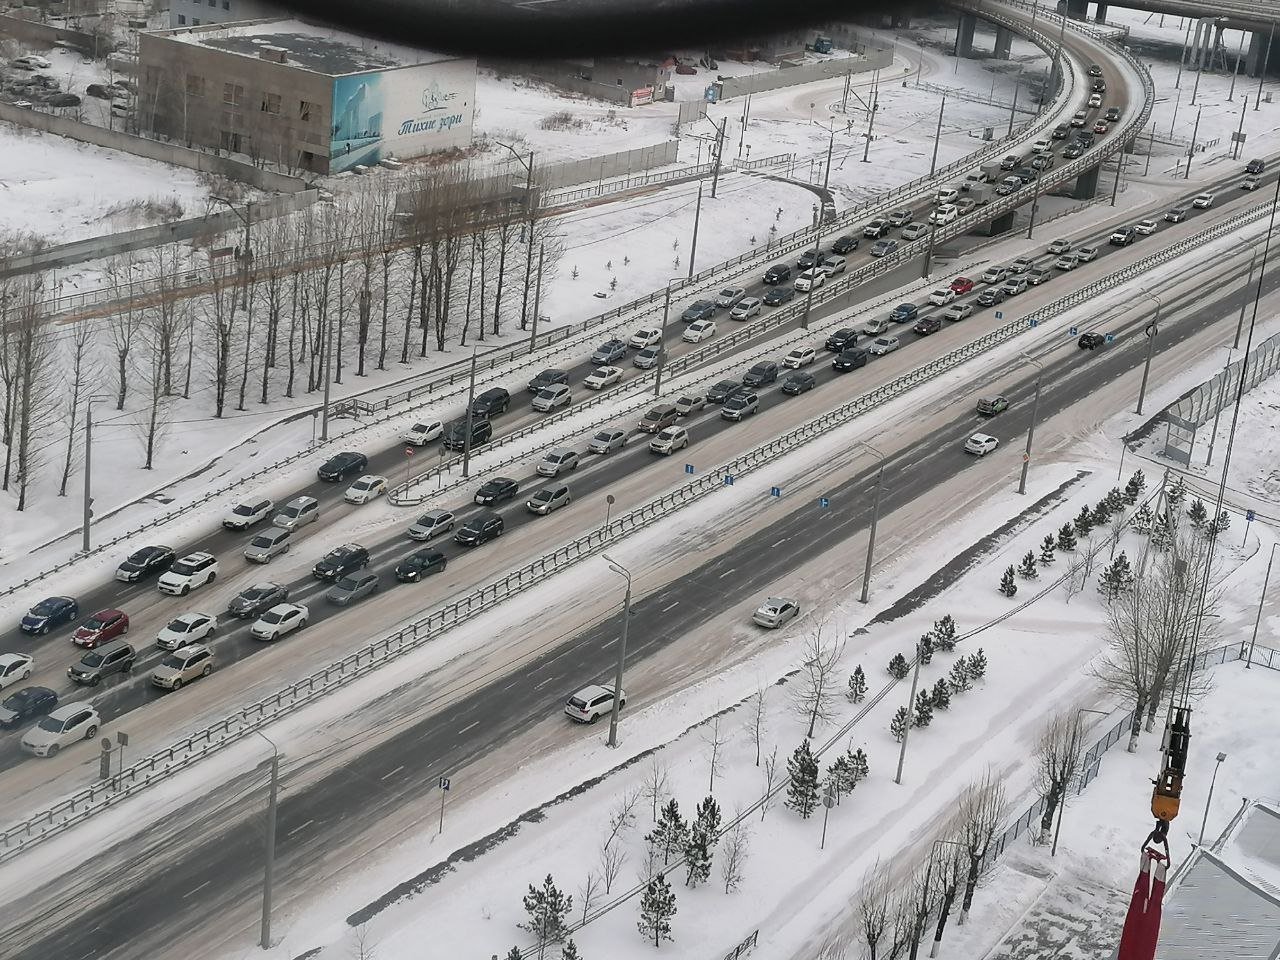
{"type": "Point", "coordinates": [220, 307]}
{"type": "Point", "coordinates": [756, 720]}
{"type": "Point", "coordinates": [817, 689]}
{"type": "Point", "coordinates": [655, 789]}
{"type": "Point", "coordinates": [770, 776]}
{"type": "Point", "coordinates": [735, 847]}
{"type": "Point", "coordinates": [915, 904]}
{"type": "Point", "coordinates": [873, 909]}
{"type": "Point", "coordinates": [982, 807]}
{"type": "Point", "coordinates": [950, 864]}
{"type": "Point", "coordinates": [612, 857]}
{"type": "Point", "coordinates": [363, 946]}
{"type": "Point", "coordinates": [589, 892]}
{"type": "Point", "coordinates": [151, 367]}
{"type": "Point", "coordinates": [34, 397]}
{"type": "Point", "coordinates": [125, 320]}
{"type": "Point", "coordinates": [1073, 580]}
{"type": "Point", "coordinates": [715, 740]}
{"type": "Point", "coordinates": [1058, 754]}
{"type": "Point", "coordinates": [83, 370]}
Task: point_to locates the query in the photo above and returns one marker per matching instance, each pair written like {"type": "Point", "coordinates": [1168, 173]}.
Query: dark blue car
{"type": "Point", "coordinates": [903, 313]}
{"type": "Point", "coordinates": [49, 613]}
{"type": "Point", "coordinates": [699, 310]}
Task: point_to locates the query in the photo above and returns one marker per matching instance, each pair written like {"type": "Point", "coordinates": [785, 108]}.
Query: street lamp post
{"type": "Point", "coordinates": [247, 254]}
{"type": "Point", "coordinates": [269, 870]}
{"type": "Point", "coordinates": [1248, 664]}
{"type": "Point", "coordinates": [1062, 802]}
{"type": "Point", "coordinates": [813, 271]}
{"type": "Point", "coordinates": [529, 209]}
{"type": "Point", "coordinates": [693, 246]}
{"type": "Point", "coordinates": [875, 516]}
{"type": "Point", "coordinates": [1031, 427]}
{"type": "Point", "coordinates": [937, 137]}
{"type": "Point", "coordinates": [328, 377]}
{"type": "Point", "coordinates": [622, 651]}
{"type": "Point", "coordinates": [662, 353]}
{"type": "Point", "coordinates": [1262, 69]}
{"type": "Point", "coordinates": [1195, 132]}
{"type": "Point", "coordinates": [1152, 330]}
{"type": "Point", "coordinates": [1209, 802]}
{"type": "Point", "coordinates": [471, 405]}
{"type": "Point", "coordinates": [88, 472]}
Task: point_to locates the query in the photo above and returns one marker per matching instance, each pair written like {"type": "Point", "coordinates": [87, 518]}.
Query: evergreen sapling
{"type": "Point", "coordinates": [857, 685]}
{"type": "Point", "coordinates": [924, 709]}
{"type": "Point", "coordinates": [941, 695]}
{"type": "Point", "coordinates": [1047, 552]}
{"type": "Point", "coordinates": [944, 633]}
{"type": "Point", "coordinates": [1197, 513]}
{"type": "Point", "coordinates": [657, 907]}
{"type": "Point", "coordinates": [977, 668]}
{"type": "Point", "coordinates": [1008, 585]}
{"type": "Point", "coordinates": [1067, 538]}
{"type": "Point", "coordinates": [1142, 520]}
{"type": "Point", "coordinates": [1083, 522]}
{"type": "Point", "coordinates": [802, 791]}
{"type": "Point", "coordinates": [959, 678]}
{"type": "Point", "coordinates": [1027, 568]}
{"type": "Point", "coordinates": [898, 666]}
{"type": "Point", "coordinates": [1133, 489]}
{"type": "Point", "coordinates": [898, 725]}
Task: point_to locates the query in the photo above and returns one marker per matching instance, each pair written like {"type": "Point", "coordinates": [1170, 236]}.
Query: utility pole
{"type": "Point", "coordinates": [1031, 427]}
{"type": "Point", "coordinates": [871, 119]}
{"type": "Point", "coordinates": [697, 216]}
{"type": "Point", "coordinates": [1235, 73]}
{"type": "Point", "coordinates": [715, 174]}
{"type": "Point", "coordinates": [1262, 597]}
{"type": "Point", "coordinates": [937, 136]}
{"type": "Point", "coordinates": [1245, 302]}
{"type": "Point", "coordinates": [875, 517]}
{"type": "Point", "coordinates": [537, 300]}
{"type": "Point", "coordinates": [1177, 80]}
{"type": "Point", "coordinates": [1151, 146]}
{"type": "Point", "coordinates": [328, 368]}
{"type": "Point", "coordinates": [1262, 68]}
{"type": "Point", "coordinates": [1017, 86]}
{"type": "Point", "coordinates": [471, 399]}
{"type": "Point", "coordinates": [622, 651]}
{"type": "Point", "coordinates": [268, 875]}
{"type": "Point", "coordinates": [1152, 329]}
{"type": "Point", "coordinates": [247, 259]}
{"type": "Point", "coordinates": [911, 708]}
{"type": "Point", "coordinates": [87, 517]}
{"type": "Point", "coordinates": [1115, 187]}
{"type": "Point", "coordinates": [528, 260]}
{"type": "Point", "coordinates": [1235, 147]}
{"type": "Point", "coordinates": [831, 142]}
{"type": "Point", "coordinates": [662, 356]}
{"type": "Point", "coordinates": [1209, 802]}
{"type": "Point", "coordinates": [815, 269]}
{"type": "Point", "coordinates": [1217, 417]}
{"type": "Point", "coordinates": [1195, 132]}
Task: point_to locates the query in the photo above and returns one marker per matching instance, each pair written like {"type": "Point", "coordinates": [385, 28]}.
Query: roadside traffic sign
{"type": "Point", "coordinates": [688, 468]}
{"type": "Point", "coordinates": [1111, 338]}
{"type": "Point", "coordinates": [1000, 315]}
{"type": "Point", "coordinates": [1073, 331]}
{"type": "Point", "coordinates": [728, 479]}
{"type": "Point", "coordinates": [775, 491]}
{"type": "Point", "coordinates": [824, 502]}
{"type": "Point", "coordinates": [1250, 515]}
{"type": "Point", "coordinates": [444, 783]}
{"type": "Point", "coordinates": [409, 451]}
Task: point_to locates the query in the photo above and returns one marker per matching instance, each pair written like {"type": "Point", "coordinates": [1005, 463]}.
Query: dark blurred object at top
{"type": "Point", "coordinates": [559, 28]}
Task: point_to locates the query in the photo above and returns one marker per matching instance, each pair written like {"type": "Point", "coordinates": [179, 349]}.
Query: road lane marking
{"type": "Point", "coordinates": [192, 893]}
{"type": "Point", "coordinates": [725, 574]}
{"type": "Point", "coordinates": [388, 776]}
{"type": "Point", "coordinates": [471, 726]}
{"type": "Point", "coordinates": [671, 606]}
{"type": "Point", "coordinates": [301, 827]}
{"type": "Point", "coordinates": [781, 542]}
{"type": "Point", "coordinates": [544, 683]}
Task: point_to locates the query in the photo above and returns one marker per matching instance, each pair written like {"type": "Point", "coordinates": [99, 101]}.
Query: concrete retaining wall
{"type": "Point", "coordinates": [877, 58]}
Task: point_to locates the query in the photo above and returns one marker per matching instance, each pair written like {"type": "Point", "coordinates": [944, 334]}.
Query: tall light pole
{"type": "Point", "coordinates": [666, 315]}
{"type": "Point", "coordinates": [87, 517]}
{"type": "Point", "coordinates": [875, 517]}
{"type": "Point", "coordinates": [471, 404]}
{"type": "Point", "coordinates": [937, 136]}
{"type": "Point", "coordinates": [1152, 330]}
{"type": "Point", "coordinates": [622, 650]}
{"type": "Point", "coordinates": [1031, 427]}
{"type": "Point", "coordinates": [328, 376]}
{"type": "Point", "coordinates": [911, 706]}
{"type": "Point", "coordinates": [247, 254]}
{"type": "Point", "coordinates": [1195, 132]}
{"type": "Point", "coordinates": [871, 119]}
{"type": "Point", "coordinates": [529, 209]}
{"type": "Point", "coordinates": [813, 271]}
{"type": "Point", "coordinates": [269, 871]}
{"type": "Point", "coordinates": [537, 299]}
{"type": "Point", "coordinates": [697, 216]}
{"type": "Point", "coordinates": [1075, 745]}
{"type": "Point", "coordinates": [831, 143]}
{"type": "Point", "coordinates": [1262, 598]}
{"type": "Point", "coordinates": [1262, 68]}
{"type": "Point", "coordinates": [1014, 108]}
{"type": "Point", "coordinates": [1231, 94]}
{"type": "Point", "coordinates": [1209, 802]}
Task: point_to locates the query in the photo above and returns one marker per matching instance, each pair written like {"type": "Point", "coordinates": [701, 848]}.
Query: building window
{"type": "Point", "coordinates": [271, 103]}
{"type": "Point", "coordinates": [232, 93]}
{"type": "Point", "coordinates": [195, 85]}
{"type": "Point", "coordinates": [195, 21]}
{"type": "Point", "coordinates": [306, 108]}
{"type": "Point", "coordinates": [182, 19]}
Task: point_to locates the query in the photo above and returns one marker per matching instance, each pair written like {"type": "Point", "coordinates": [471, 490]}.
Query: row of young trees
{"type": "Point", "coordinates": [382, 275]}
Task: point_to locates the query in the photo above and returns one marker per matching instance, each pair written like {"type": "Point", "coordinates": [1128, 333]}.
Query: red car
{"type": "Point", "coordinates": [961, 285]}
{"type": "Point", "coordinates": [101, 627]}
{"type": "Point", "coordinates": [1100, 127]}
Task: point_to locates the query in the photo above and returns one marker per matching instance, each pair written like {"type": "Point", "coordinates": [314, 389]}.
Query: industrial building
{"type": "Point", "coordinates": [195, 13]}
{"type": "Point", "coordinates": [301, 96]}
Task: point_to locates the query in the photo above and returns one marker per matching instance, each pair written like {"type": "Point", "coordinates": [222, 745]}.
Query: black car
{"type": "Point", "coordinates": [1099, 86]}
{"type": "Point", "coordinates": [722, 391]}
{"type": "Point", "coordinates": [990, 297]}
{"type": "Point", "coordinates": [1253, 167]}
{"type": "Point", "coordinates": [1090, 341]}
{"type": "Point", "coordinates": [547, 378]}
{"type": "Point", "coordinates": [257, 600]}
{"type": "Point", "coordinates": [1010, 162]}
{"type": "Point", "coordinates": [341, 465]}
{"type": "Point", "coordinates": [455, 435]}
{"type": "Point", "coordinates": [480, 529]}
{"type": "Point", "coordinates": [492, 402]}
{"type": "Point", "coordinates": [1072, 150]}
{"type": "Point", "coordinates": [419, 564]}
{"type": "Point", "coordinates": [850, 359]}
{"type": "Point", "coordinates": [26, 704]}
{"type": "Point", "coordinates": [340, 561]}
{"type": "Point", "coordinates": [1095, 70]}
{"type": "Point", "coordinates": [1085, 139]}
{"type": "Point", "coordinates": [699, 310]}
{"type": "Point", "coordinates": [843, 338]}
{"type": "Point", "coordinates": [143, 563]}
{"type": "Point", "coordinates": [798, 383]}
{"type": "Point", "coordinates": [904, 313]}
{"type": "Point", "coordinates": [809, 259]}
{"type": "Point", "coordinates": [496, 490]}
{"type": "Point", "coordinates": [779, 295]}
{"type": "Point", "coordinates": [1113, 114]}
{"type": "Point", "coordinates": [845, 244]}
{"type": "Point", "coordinates": [1061, 131]}
{"type": "Point", "coordinates": [1123, 237]}
{"type": "Point", "coordinates": [778, 273]}
{"type": "Point", "coordinates": [49, 613]}
{"type": "Point", "coordinates": [1025, 174]}
{"type": "Point", "coordinates": [760, 374]}
{"type": "Point", "coordinates": [927, 325]}
{"type": "Point", "coordinates": [876, 229]}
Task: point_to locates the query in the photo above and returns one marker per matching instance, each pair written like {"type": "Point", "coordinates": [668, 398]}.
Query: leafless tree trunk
{"type": "Point", "coordinates": [125, 321]}
{"type": "Point", "coordinates": [757, 719]}
{"type": "Point", "coordinates": [151, 366]}
{"type": "Point", "coordinates": [1058, 755]}
{"type": "Point", "coordinates": [873, 909]}
{"type": "Point", "coordinates": [589, 892]}
{"type": "Point", "coordinates": [949, 867]}
{"type": "Point", "coordinates": [715, 739]}
{"type": "Point", "coordinates": [35, 389]}
{"type": "Point", "coordinates": [736, 847]}
{"type": "Point", "coordinates": [816, 689]}
{"type": "Point", "coordinates": [220, 308]}
{"type": "Point", "coordinates": [655, 787]}
{"type": "Point", "coordinates": [770, 777]}
{"type": "Point", "coordinates": [83, 370]}
{"type": "Point", "coordinates": [982, 807]}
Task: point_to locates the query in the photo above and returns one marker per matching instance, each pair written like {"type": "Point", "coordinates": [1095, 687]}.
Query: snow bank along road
{"type": "Point", "coordinates": [202, 862]}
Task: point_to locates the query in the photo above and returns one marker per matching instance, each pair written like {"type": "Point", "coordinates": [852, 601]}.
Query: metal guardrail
{"type": "Point", "coordinates": [745, 947]}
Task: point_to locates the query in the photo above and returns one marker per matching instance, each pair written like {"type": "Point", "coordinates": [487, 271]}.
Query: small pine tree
{"type": "Point", "coordinates": [515, 954]}
{"type": "Point", "coordinates": [1067, 538]}
{"type": "Point", "coordinates": [1162, 531]}
{"type": "Point", "coordinates": [1116, 578]}
{"type": "Point", "coordinates": [1133, 489]}
{"type": "Point", "coordinates": [1176, 492]}
{"type": "Point", "coordinates": [1115, 500]}
{"type": "Point", "coordinates": [613, 283]}
{"type": "Point", "coordinates": [941, 695]}
{"type": "Point", "coordinates": [1008, 585]}
{"type": "Point", "coordinates": [898, 725]}
{"type": "Point", "coordinates": [898, 666]}
{"type": "Point", "coordinates": [1083, 522]}
{"type": "Point", "coordinates": [958, 679]}
{"type": "Point", "coordinates": [977, 667]}
{"type": "Point", "coordinates": [802, 792]}
{"type": "Point", "coordinates": [670, 833]}
{"type": "Point", "coordinates": [701, 842]}
{"type": "Point", "coordinates": [626, 261]}
{"type": "Point", "coordinates": [1220, 526]}
{"type": "Point", "coordinates": [608, 264]}
{"type": "Point", "coordinates": [926, 648]}
{"type": "Point", "coordinates": [1197, 513]}
{"type": "Point", "coordinates": [924, 709]}
{"type": "Point", "coordinates": [548, 909]}
{"type": "Point", "coordinates": [1047, 548]}
{"type": "Point", "coordinates": [1027, 568]}
{"type": "Point", "coordinates": [1101, 514]}
{"type": "Point", "coordinates": [857, 685]}
{"type": "Point", "coordinates": [944, 633]}
{"type": "Point", "coordinates": [657, 907]}
{"type": "Point", "coordinates": [570, 951]}
{"type": "Point", "coordinates": [1142, 520]}
{"type": "Point", "coordinates": [839, 777]}
{"type": "Point", "coordinates": [574, 272]}
{"type": "Point", "coordinates": [859, 767]}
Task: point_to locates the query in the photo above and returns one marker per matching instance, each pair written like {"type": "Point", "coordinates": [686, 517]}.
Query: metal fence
{"type": "Point", "coordinates": [745, 947]}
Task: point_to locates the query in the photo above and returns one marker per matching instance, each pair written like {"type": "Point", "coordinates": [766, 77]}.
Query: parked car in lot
{"type": "Point", "coordinates": [958, 311]}
{"type": "Point", "coordinates": [591, 703]}
{"type": "Point", "coordinates": [690, 403]}
{"type": "Point", "coordinates": [557, 462]}
{"type": "Point", "coordinates": [850, 359]}
{"type": "Point", "coordinates": [343, 465]}
{"type": "Point", "coordinates": [186, 629]}
{"type": "Point", "coordinates": [15, 667]}
{"type": "Point", "coordinates": [779, 295]}
{"type": "Point", "coordinates": [432, 524]}
{"type": "Point", "coordinates": [904, 313]}
{"type": "Point", "coordinates": [602, 377]}
{"type": "Point", "coordinates": [990, 406]}
{"type": "Point", "coordinates": [729, 296]}
{"type": "Point", "coordinates": [669, 441]}
{"type": "Point", "coordinates": [926, 326]}
{"type": "Point", "coordinates": [698, 310]}
{"type": "Point", "coordinates": [480, 530]}
{"type": "Point", "coordinates": [182, 666]}
{"type": "Point", "coordinates": [799, 357]}
{"type": "Point", "coordinates": [143, 563]}
{"type": "Point", "coordinates": [254, 601]}
{"type": "Point", "coordinates": [699, 330]}
{"type": "Point", "coordinates": [49, 614]}
{"type": "Point", "coordinates": [557, 395]}
{"type": "Point", "coordinates": [646, 359]}
{"type": "Point", "coordinates": [548, 499]}
{"type": "Point", "coordinates": [419, 564]}
{"type": "Point", "coordinates": [496, 490]}
{"type": "Point", "coordinates": [882, 345]}
{"type": "Point", "coordinates": [980, 444]}
{"type": "Point", "coordinates": [340, 561]}
{"type": "Point", "coordinates": [118, 656]}
{"type": "Point", "coordinates": [27, 703]}
{"type": "Point", "coordinates": [608, 440]}
{"type": "Point", "coordinates": [940, 298]}
{"type": "Point", "coordinates": [776, 612]}
{"type": "Point", "coordinates": [746, 308]}
{"type": "Point", "coordinates": [280, 620]}
{"type": "Point", "coordinates": [63, 727]}
{"type": "Point", "coordinates": [247, 514]}
{"type": "Point", "coordinates": [778, 273]}
{"type": "Point", "coordinates": [882, 248]}
{"type": "Point", "coordinates": [645, 337]}
{"type": "Point", "coordinates": [351, 588]}
{"type": "Point", "coordinates": [761, 374]}
{"type": "Point", "coordinates": [1091, 341]}
{"type": "Point", "coordinates": [369, 487]}
{"type": "Point", "coordinates": [548, 378]}
{"type": "Point", "coordinates": [799, 382]}
{"type": "Point", "coordinates": [845, 244]}
{"type": "Point", "coordinates": [609, 352]}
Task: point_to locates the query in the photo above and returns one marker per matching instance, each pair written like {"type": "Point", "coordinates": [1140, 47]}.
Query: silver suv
{"type": "Point", "coordinates": [269, 543]}
{"type": "Point", "coordinates": [182, 666]}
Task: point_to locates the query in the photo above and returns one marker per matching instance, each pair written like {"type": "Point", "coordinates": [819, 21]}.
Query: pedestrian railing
{"type": "Point", "coordinates": [745, 947]}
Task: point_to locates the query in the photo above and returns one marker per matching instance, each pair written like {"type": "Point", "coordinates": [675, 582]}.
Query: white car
{"type": "Point", "coordinates": [940, 298]}
{"type": "Point", "coordinates": [833, 265]}
{"type": "Point", "coordinates": [730, 296]}
{"type": "Point", "coordinates": [192, 571]}
{"type": "Point", "coordinates": [548, 398]}
{"type": "Point", "coordinates": [980, 444]}
{"type": "Point", "coordinates": [1085, 254]}
{"type": "Point", "coordinates": [1095, 100]}
{"type": "Point", "coordinates": [948, 195]}
{"type": "Point", "coordinates": [607, 441]}
{"type": "Point", "coordinates": [882, 345]}
{"type": "Point", "coordinates": [245, 515]}
{"type": "Point", "coordinates": [431, 524]}
{"type": "Point", "coordinates": [602, 377]}
{"type": "Point", "coordinates": [645, 337]}
{"type": "Point", "coordinates": [800, 357]}
{"type": "Point", "coordinates": [368, 487]}
{"type": "Point", "coordinates": [14, 667]}
{"type": "Point", "coordinates": [947, 213]}
{"type": "Point", "coordinates": [281, 619]}
{"type": "Point", "coordinates": [699, 330]}
{"type": "Point", "coordinates": [188, 628]}
{"type": "Point", "coordinates": [1145, 227]}
{"type": "Point", "coordinates": [591, 703]}
{"type": "Point", "coordinates": [670, 440]}
{"type": "Point", "coordinates": [70, 723]}
{"type": "Point", "coordinates": [423, 433]}
{"type": "Point", "coordinates": [810, 279]}
{"type": "Point", "coordinates": [1066, 262]}
{"type": "Point", "coordinates": [776, 612]}
{"type": "Point", "coordinates": [1202, 200]}
{"type": "Point", "coordinates": [1060, 246]}
{"type": "Point", "coordinates": [958, 311]}
{"type": "Point", "coordinates": [690, 403]}
{"type": "Point", "coordinates": [746, 308]}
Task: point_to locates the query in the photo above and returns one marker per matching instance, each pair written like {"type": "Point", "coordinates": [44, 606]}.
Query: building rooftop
{"type": "Point", "coordinates": [306, 46]}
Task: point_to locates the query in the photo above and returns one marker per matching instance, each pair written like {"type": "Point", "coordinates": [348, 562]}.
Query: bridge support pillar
{"type": "Point", "coordinates": [964, 35]}
{"type": "Point", "coordinates": [1001, 224]}
{"type": "Point", "coordinates": [1101, 15]}
{"type": "Point", "coordinates": [1087, 184]}
{"type": "Point", "coordinates": [1004, 42]}
{"type": "Point", "coordinates": [1258, 59]}
{"type": "Point", "coordinates": [1075, 9]}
